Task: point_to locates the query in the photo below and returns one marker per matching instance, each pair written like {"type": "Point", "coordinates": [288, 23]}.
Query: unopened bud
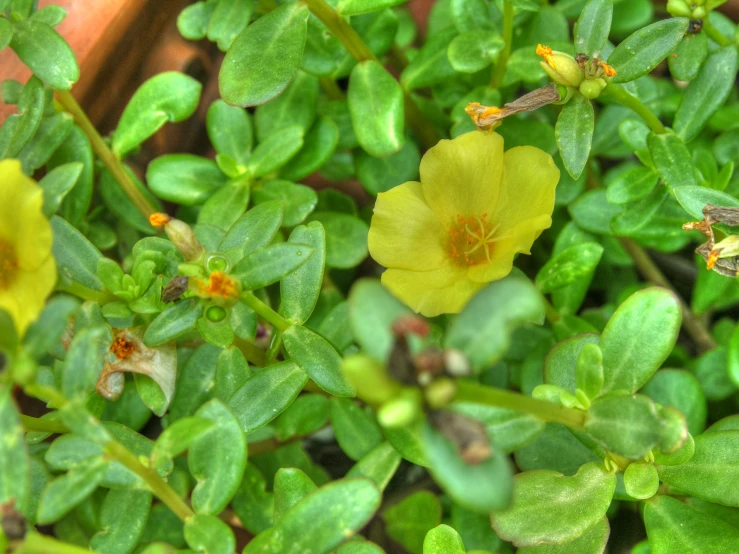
{"type": "Point", "coordinates": [678, 8]}
{"type": "Point", "coordinates": [561, 67]}
{"type": "Point", "coordinates": [440, 393]}
{"type": "Point", "coordinates": [400, 411]}
{"type": "Point", "coordinates": [591, 88]}
{"type": "Point", "coordinates": [370, 379]}
{"type": "Point", "coordinates": [181, 235]}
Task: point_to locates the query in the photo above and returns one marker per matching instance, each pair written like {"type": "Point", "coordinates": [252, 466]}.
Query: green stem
{"type": "Point", "coordinates": [358, 49]}
{"type": "Point", "coordinates": [550, 311]}
{"type": "Point", "coordinates": [545, 411]}
{"type": "Point", "coordinates": [274, 347]}
{"type": "Point", "coordinates": [158, 486]}
{"type": "Point", "coordinates": [43, 425]}
{"type": "Point", "coordinates": [113, 164]}
{"type": "Point", "coordinates": [502, 63]}
{"type": "Point", "coordinates": [255, 356]}
{"type": "Point", "coordinates": [715, 35]}
{"type": "Point", "coordinates": [623, 97]}
{"type": "Point", "coordinates": [264, 311]}
{"type": "Point", "coordinates": [330, 87]}
{"type": "Point", "coordinates": [85, 293]}
{"type": "Point", "coordinates": [36, 543]}
{"type": "Point", "coordinates": [651, 272]}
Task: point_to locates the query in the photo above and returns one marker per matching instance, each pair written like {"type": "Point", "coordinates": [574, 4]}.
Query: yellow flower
{"type": "Point", "coordinates": [27, 268]}
{"type": "Point", "coordinates": [442, 239]}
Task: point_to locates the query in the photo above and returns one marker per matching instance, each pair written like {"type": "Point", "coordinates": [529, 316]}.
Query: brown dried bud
{"type": "Point", "coordinates": [469, 435]}
{"type": "Point", "coordinates": [12, 521]}
{"type": "Point", "coordinates": [487, 118]}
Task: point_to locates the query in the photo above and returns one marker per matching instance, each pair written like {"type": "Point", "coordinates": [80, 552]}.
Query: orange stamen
{"type": "Point", "coordinates": [712, 259]}
{"type": "Point", "coordinates": [122, 348]}
{"type": "Point", "coordinates": [219, 284]}
{"type": "Point", "coordinates": [610, 72]}
{"type": "Point", "coordinates": [545, 52]}
{"type": "Point", "coordinates": [159, 219]}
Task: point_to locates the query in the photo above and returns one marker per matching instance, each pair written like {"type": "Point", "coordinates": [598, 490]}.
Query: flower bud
{"type": "Point", "coordinates": [678, 8]}
{"type": "Point", "coordinates": [400, 411]}
{"type": "Point", "coordinates": [561, 67]}
{"type": "Point", "coordinates": [591, 88]}
{"type": "Point", "coordinates": [370, 379]}
{"type": "Point", "coordinates": [181, 235]}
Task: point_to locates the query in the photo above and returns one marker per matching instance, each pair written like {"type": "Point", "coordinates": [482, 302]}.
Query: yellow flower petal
{"type": "Point", "coordinates": [22, 223]}
{"type": "Point", "coordinates": [430, 293]}
{"type": "Point", "coordinates": [463, 176]}
{"type": "Point", "coordinates": [519, 240]}
{"type": "Point", "coordinates": [527, 191]}
{"type": "Point", "coordinates": [26, 296]}
{"type": "Point", "coordinates": [405, 233]}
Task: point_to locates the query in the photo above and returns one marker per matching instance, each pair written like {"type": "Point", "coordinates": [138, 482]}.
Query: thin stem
{"type": "Point", "coordinates": [274, 347]}
{"type": "Point", "coordinates": [36, 543]}
{"type": "Point", "coordinates": [330, 87]}
{"type": "Point", "coordinates": [545, 411]}
{"type": "Point", "coordinates": [264, 311]}
{"type": "Point", "coordinates": [651, 272]}
{"type": "Point", "coordinates": [255, 356]}
{"type": "Point", "coordinates": [158, 486]}
{"type": "Point", "coordinates": [550, 311]}
{"type": "Point", "coordinates": [113, 164]}
{"type": "Point", "coordinates": [502, 63]}
{"type": "Point", "coordinates": [715, 35]}
{"type": "Point", "coordinates": [86, 293]}
{"type": "Point", "coordinates": [623, 97]}
{"type": "Point", "coordinates": [43, 425]}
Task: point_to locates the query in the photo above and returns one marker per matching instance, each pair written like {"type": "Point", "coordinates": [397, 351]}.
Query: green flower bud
{"type": "Point", "coordinates": [181, 235]}
{"type": "Point", "coordinates": [370, 379]}
{"type": "Point", "coordinates": [699, 13]}
{"type": "Point", "coordinates": [561, 67]}
{"type": "Point", "coordinates": [400, 411]}
{"type": "Point", "coordinates": [678, 8]}
{"type": "Point", "coordinates": [592, 88]}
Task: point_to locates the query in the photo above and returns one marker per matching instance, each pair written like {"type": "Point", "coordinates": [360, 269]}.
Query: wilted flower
{"type": "Point", "coordinates": [27, 268]}
{"type": "Point", "coordinates": [475, 208]}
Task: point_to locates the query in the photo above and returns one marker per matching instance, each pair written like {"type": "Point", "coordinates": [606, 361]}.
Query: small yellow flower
{"type": "Point", "coordinates": [442, 239]}
{"type": "Point", "coordinates": [27, 268]}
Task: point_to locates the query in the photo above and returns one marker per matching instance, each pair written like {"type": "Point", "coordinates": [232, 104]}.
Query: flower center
{"type": "Point", "coordinates": [8, 264]}
{"type": "Point", "coordinates": [219, 284]}
{"type": "Point", "coordinates": [471, 239]}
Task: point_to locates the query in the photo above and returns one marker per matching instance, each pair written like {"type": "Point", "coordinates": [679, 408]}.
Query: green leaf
{"type": "Point", "coordinates": [688, 56]}
{"type": "Point", "coordinates": [209, 535]}
{"type": "Point", "coordinates": [266, 394]}
{"type": "Point", "coordinates": [574, 133]}
{"type": "Point", "coordinates": [480, 488]}
{"type": "Point", "coordinates": [641, 480]}
{"type": "Point", "coordinates": [295, 106]}
{"type": "Point", "coordinates": [568, 266]}
{"type": "Point", "coordinates": [631, 185]}
{"type": "Point", "coordinates": [376, 108]}
{"type": "Point", "coordinates": [509, 429]}
{"type": "Point", "coordinates": [593, 213]}
{"type": "Point", "coordinates": [184, 178]}
{"type": "Point", "coordinates": [84, 361]}
{"type": "Point", "coordinates": [168, 96]}
{"type": "Point", "coordinates": [57, 183]}
{"type": "Point", "coordinates": [431, 65]}
{"type": "Point", "coordinates": [581, 501]}
{"type": "Point", "coordinates": [706, 93]}
{"type": "Point", "coordinates": [232, 370]}
{"type": "Point", "coordinates": [174, 321]}
{"type": "Point", "coordinates": [252, 503]}
{"type": "Point", "coordinates": [270, 264]}
{"type": "Point", "coordinates": [306, 415]}
{"type": "Point", "coordinates": [645, 48]}
{"type": "Point", "coordinates": [298, 200]}
{"type": "Point", "coordinates": [217, 459]}
{"type": "Point", "coordinates": [318, 359]}
{"type": "Point", "coordinates": [356, 430]}
{"type": "Point", "coordinates": [178, 437]}
{"type": "Point", "coordinates": [346, 238]}
{"type": "Point", "coordinates": [408, 521]}
{"type": "Point", "coordinates": [381, 174]}
{"type": "Point", "coordinates": [76, 257]}
{"type": "Point", "coordinates": [275, 151]}
{"type": "Point", "coordinates": [291, 486]}
{"type": "Point", "coordinates": [322, 520]}
{"type": "Point", "coordinates": [48, 55]}
{"type": "Point", "coordinates": [694, 198]}
{"type": "Point", "coordinates": [474, 50]}
{"type": "Point", "coordinates": [589, 370]}
{"type": "Point", "coordinates": [68, 490]}
{"type": "Point", "coordinates": [229, 18]}
{"type": "Point", "coordinates": [318, 146]}
{"type": "Point", "coordinates": [14, 461]}
{"type": "Point", "coordinates": [709, 474]}
{"type": "Point", "coordinates": [593, 26]}
{"type": "Point", "coordinates": [680, 389]}
{"type": "Point", "coordinates": [674, 527]}
{"type": "Point", "coordinates": [482, 331]}
{"type": "Point", "coordinates": [560, 449]}
{"type": "Point", "coordinates": [636, 215]}
{"type": "Point", "coordinates": [6, 33]}
{"type": "Point", "coordinates": [672, 160]}
{"type": "Point", "coordinates": [592, 541]}
{"type": "Point", "coordinates": [230, 131]}
{"type": "Point", "coordinates": [443, 540]}
{"type": "Point", "coordinates": [118, 202]}
{"type": "Point", "coordinates": [300, 289]}
{"type": "Point", "coordinates": [638, 338]}
{"type": "Point", "coordinates": [123, 517]}
{"type": "Point", "coordinates": [226, 206]}
{"type": "Point", "coordinates": [255, 229]}
{"type": "Point", "coordinates": [379, 465]}
{"type": "Point", "coordinates": [192, 23]}
{"type": "Point", "coordinates": [50, 135]}
{"type": "Point", "coordinates": [264, 59]}
{"type": "Point", "coordinates": [19, 128]}
{"type": "Point", "coordinates": [76, 148]}
{"type": "Point", "coordinates": [626, 425]}
{"type": "Point", "coordinates": [355, 7]}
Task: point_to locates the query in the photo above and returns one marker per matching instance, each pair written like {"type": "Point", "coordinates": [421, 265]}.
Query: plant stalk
{"type": "Point", "coordinates": [500, 66]}
{"type": "Point", "coordinates": [545, 411]}
{"type": "Point", "coordinates": [43, 425]}
{"type": "Point", "coordinates": [626, 99]}
{"type": "Point", "coordinates": [651, 272]}
{"type": "Point", "coordinates": [264, 311]}
{"type": "Point", "coordinates": [105, 154]}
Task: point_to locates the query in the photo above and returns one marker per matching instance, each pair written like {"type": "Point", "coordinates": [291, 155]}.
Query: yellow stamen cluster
{"type": "Point", "coordinates": [471, 239]}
